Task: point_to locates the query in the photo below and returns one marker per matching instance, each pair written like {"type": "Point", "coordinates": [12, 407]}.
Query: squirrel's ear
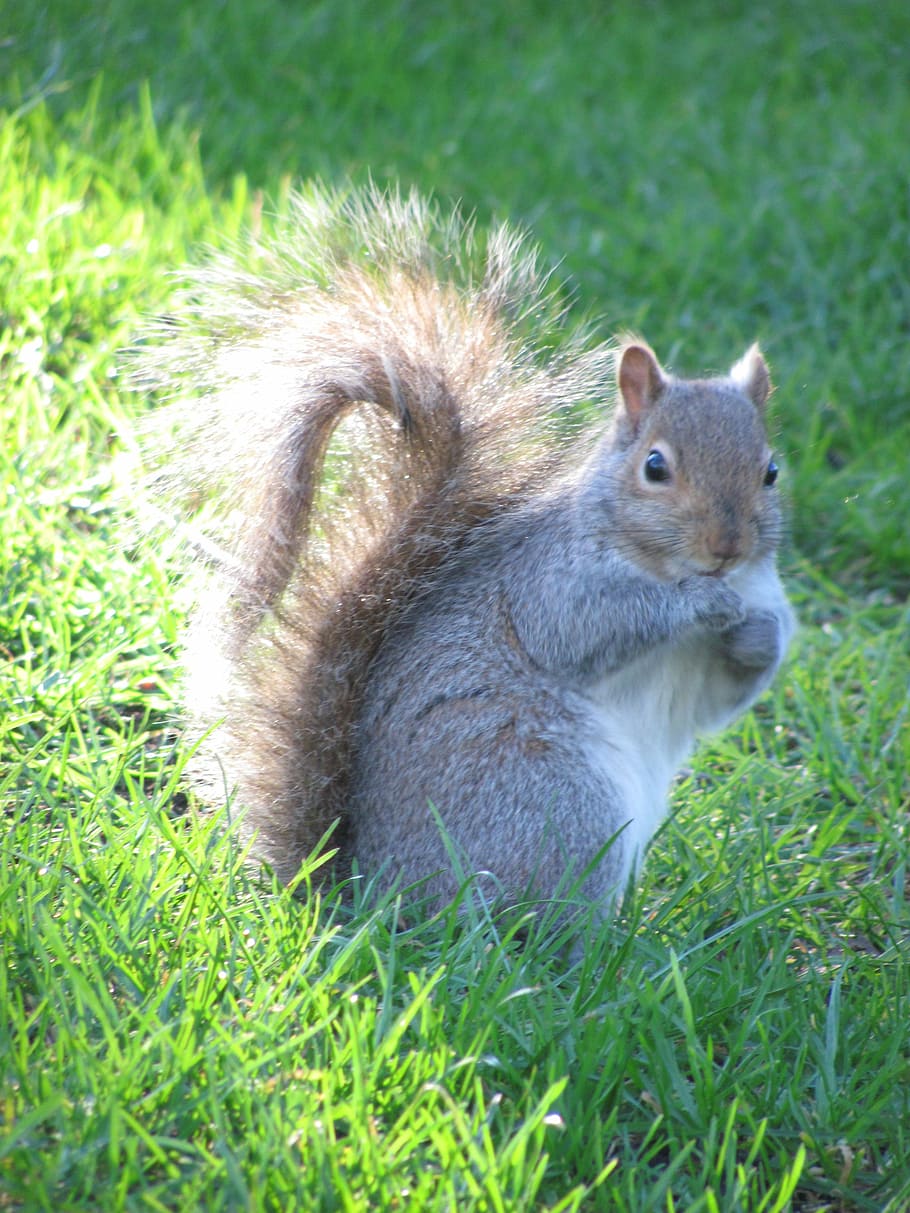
{"type": "Point", "coordinates": [641, 378]}
{"type": "Point", "coordinates": [751, 376]}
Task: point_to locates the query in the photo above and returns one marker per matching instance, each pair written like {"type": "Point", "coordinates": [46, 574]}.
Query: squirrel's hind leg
{"type": "Point", "coordinates": [519, 812]}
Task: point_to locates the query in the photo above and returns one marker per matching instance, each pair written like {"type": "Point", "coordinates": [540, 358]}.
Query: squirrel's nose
{"type": "Point", "coordinates": [725, 547]}
{"type": "Point", "coordinates": [725, 540]}
{"type": "Point", "coordinates": [724, 550]}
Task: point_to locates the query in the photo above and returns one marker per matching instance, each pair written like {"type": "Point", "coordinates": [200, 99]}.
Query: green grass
{"type": "Point", "coordinates": [176, 1034]}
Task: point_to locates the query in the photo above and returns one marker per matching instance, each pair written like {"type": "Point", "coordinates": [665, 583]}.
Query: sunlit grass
{"type": "Point", "coordinates": [177, 1033]}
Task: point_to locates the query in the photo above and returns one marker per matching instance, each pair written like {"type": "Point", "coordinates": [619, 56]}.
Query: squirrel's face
{"type": "Point", "coordinates": [697, 492]}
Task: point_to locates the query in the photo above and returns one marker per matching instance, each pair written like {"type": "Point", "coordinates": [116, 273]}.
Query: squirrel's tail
{"type": "Point", "coordinates": [376, 387]}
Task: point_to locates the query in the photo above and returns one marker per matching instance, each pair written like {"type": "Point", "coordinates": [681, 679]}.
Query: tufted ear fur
{"type": "Point", "coordinates": [641, 379]}
{"type": "Point", "coordinates": [751, 376]}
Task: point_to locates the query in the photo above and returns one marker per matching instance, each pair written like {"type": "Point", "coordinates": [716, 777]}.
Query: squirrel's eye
{"type": "Point", "coordinates": [770, 474]}
{"type": "Point", "coordinates": [657, 469]}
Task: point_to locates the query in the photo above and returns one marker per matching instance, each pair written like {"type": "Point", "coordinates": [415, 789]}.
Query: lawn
{"type": "Point", "coordinates": [178, 1033]}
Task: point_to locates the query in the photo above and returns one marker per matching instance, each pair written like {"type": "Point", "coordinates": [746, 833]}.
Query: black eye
{"type": "Point", "coordinates": [771, 474]}
{"type": "Point", "coordinates": [657, 470]}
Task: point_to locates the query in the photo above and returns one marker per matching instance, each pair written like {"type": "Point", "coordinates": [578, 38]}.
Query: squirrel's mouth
{"type": "Point", "coordinates": [719, 570]}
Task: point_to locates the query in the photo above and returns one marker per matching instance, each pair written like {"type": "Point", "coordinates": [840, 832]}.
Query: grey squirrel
{"type": "Point", "coordinates": [436, 600]}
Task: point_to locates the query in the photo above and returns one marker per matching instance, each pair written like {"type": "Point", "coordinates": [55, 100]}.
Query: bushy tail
{"type": "Point", "coordinates": [379, 386]}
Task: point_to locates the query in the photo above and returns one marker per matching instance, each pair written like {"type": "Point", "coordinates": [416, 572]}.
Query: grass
{"type": "Point", "coordinates": [177, 1034]}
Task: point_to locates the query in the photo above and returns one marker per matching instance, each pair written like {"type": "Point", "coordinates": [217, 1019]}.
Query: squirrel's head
{"type": "Point", "coordinates": [697, 477]}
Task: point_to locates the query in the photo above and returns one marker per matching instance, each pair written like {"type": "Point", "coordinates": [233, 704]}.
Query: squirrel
{"type": "Point", "coordinates": [450, 628]}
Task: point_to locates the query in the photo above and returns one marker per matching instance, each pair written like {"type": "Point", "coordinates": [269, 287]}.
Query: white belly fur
{"type": "Point", "coordinates": [643, 730]}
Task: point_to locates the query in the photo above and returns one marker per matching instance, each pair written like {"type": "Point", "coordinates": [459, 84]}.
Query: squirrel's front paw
{"type": "Point", "coordinates": [755, 643]}
{"type": "Point", "coordinates": [717, 606]}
